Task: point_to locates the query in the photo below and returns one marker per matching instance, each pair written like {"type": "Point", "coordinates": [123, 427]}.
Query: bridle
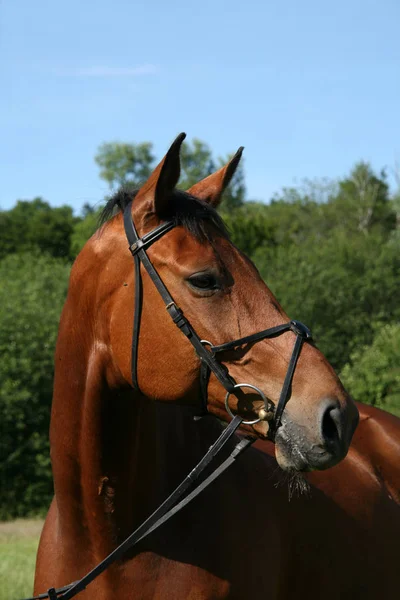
{"type": "Point", "coordinates": [208, 363]}
{"type": "Point", "coordinates": [208, 357]}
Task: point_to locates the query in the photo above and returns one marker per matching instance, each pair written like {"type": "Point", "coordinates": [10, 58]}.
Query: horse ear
{"type": "Point", "coordinates": [212, 187]}
{"type": "Point", "coordinates": [161, 183]}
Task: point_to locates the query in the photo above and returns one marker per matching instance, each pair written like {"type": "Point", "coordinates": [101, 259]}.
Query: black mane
{"type": "Point", "coordinates": [183, 209]}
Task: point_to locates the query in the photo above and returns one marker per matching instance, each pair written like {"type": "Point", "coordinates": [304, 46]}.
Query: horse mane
{"type": "Point", "coordinates": [183, 209]}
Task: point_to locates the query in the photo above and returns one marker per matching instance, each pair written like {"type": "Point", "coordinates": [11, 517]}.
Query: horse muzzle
{"type": "Point", "coordinates": [320, 445]}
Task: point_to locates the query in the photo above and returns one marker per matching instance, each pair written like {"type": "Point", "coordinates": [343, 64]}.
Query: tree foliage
{"type": "Point", "coordinates": [363, 204]}
{"type": "Point", "coordinates": [373, 373]}
{"type": "Point", "coordinates": [32, 291]}
{"type": "Point", "coordinates": [36, 225]}
{"type": "Point", "coordinates": [339, 286]}
{"type": "Point", "coordinates": [125, 163]}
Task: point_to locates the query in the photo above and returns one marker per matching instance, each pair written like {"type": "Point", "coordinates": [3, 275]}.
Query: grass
{"type": "Point", "coordinates": [18, 544]}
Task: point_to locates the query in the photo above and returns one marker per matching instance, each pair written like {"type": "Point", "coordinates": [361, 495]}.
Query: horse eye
{"type": "Point", "coordinates": [203, 281]}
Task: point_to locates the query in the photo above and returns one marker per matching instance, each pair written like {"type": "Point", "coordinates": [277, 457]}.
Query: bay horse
{"type": "Point", "coordinates": [122, 429]}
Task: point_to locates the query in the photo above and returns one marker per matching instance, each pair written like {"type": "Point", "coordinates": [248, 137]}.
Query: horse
{"type": "Point", "coordinates": [123, 430]}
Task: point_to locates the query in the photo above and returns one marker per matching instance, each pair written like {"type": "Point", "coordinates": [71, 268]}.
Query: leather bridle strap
{"type": "Point", "coordinates": [237, 451]}
{"type": "Point", "coordinates": [71, 590]}
{"type": "Point", "coordinates": [138, 248]}
{"type": "Point", "coordinates": [208, 359]}
{"type": "Point", "coordinates": [137, 244]}
{"type": "Point", "coordinates": [165, 511]}
{"type": "Point", "coordinates": [285, 392]}
{"type": "Point", "coordinates": [302, 334]}
{"type": "Point", "coordinates": [249, 339]}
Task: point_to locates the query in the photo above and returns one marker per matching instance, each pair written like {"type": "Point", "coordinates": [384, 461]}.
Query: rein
{"type": "Point", "coordinates": [208, 363]}
{"type": "Point", "coordinates": [163, 513]}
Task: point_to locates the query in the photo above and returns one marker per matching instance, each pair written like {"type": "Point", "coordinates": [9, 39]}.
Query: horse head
{"type": "Point", "coordinates": [221, 295]}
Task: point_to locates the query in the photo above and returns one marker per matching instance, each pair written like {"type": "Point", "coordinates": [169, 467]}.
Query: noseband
{"type": "Point", "coordinates": [180, 497]}
{"type": "Point", "coordinates": [208, 357]}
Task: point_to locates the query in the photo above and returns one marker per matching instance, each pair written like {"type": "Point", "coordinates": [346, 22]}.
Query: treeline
{"type": "Point", "coordinates": [328, 250]}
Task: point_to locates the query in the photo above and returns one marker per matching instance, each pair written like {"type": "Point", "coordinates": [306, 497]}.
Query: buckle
{"type": "Point", "coordinates": [301, 330]}
{"type": "Point", "coordinates": [176, 314]}
{"type": "Point", "coordinates": [172, 304]}
{"type": "Point", "coordinates": [134, 247]}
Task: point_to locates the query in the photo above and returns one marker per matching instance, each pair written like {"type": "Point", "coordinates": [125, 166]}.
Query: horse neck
{"type": "Point", "coordinates": [148, 449]}
{"type": "Point", "coordinates": [116, 455]}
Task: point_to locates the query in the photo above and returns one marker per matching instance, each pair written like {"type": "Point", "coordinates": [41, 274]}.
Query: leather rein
{"type": "Point", "coordinates": [208, 363]}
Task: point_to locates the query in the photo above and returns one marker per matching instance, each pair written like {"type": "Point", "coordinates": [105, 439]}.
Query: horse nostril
{"type": "Point", "coordinates": [331, 424]}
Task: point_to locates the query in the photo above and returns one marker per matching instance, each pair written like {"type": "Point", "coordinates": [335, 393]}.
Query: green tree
{"type": "Point", "coordinates": [122, 163]}
{"type": "Point", "coordinates": [373, 373]}
{"type": "Point", "coordinates": [338, 286]}
{"type": "Point", "coordinates": [34, 224]}
{"type": "Point", "coordinates": [251, 227]}
{"type": "Point", "coordinates": [362, 203]}
{"type": "Point", "coordinates": [32, 291]}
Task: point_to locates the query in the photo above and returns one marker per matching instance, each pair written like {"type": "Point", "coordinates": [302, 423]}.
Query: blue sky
{"type": "Point", "coordinates": [308, 88]}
